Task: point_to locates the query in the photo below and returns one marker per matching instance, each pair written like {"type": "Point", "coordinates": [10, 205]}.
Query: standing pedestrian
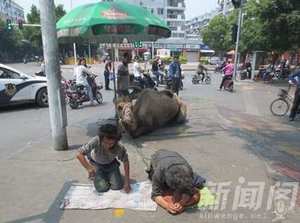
{"type": "Point", "coordinates": [175, 74]}
{"type": "Point", "coordinates": [248, 67]}
{"type": "Point", "coordinates": [295, 79]}
{"type": "Point", "coordinates": [123, 76]}
{"type": "Point", "coordinates": [137, 72]}
{"type": "Point", "coordinates": [107, 72]}
{"type": "Point", "coordinates": [155, 70]}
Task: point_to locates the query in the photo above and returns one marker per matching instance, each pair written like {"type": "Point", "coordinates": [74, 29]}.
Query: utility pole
{"type": "Point", "coordinates": [239, 5]}
{"type": "Point", "coordinates": [57, 106]}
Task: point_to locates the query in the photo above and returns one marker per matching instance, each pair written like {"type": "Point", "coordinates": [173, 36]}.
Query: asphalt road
{"type": "Point", "coordinates": [27, 124]}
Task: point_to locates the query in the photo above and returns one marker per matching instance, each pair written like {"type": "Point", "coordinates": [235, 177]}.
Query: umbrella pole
{"type": "Point", "coordinates": [114, 81]}
{"type": "Point", "coordinates": [75, 53]}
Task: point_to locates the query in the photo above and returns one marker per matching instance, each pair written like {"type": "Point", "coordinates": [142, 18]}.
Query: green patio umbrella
{"type": "Point", "coordinates": [110, 22]}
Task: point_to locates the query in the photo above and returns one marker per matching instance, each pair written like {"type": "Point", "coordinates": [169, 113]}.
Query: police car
{"type": "Point", "coordinates": [17, 87]}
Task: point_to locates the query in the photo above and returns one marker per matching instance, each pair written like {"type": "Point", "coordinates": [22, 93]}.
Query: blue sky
{"type": "Point", "coordinates": [194, 7]}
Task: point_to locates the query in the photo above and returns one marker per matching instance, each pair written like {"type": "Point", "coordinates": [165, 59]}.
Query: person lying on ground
{"type": "Point", "coordinates": [173, 182]}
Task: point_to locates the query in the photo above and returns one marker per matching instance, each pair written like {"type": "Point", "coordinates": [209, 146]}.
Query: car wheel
{"type": "Point", "coordinates": [42, 98]}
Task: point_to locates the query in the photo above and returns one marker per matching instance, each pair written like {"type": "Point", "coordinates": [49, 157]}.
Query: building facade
{"type": "Point", "coordinates": [195, 25]}
{"type": "Point", "coordinates": [172, 11]}
{"type": "Point", "coordinates": [11, 10]}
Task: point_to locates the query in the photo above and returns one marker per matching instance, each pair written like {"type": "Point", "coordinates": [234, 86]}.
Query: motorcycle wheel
{"type": "Point", "coordinates": [194, 81]}
{"type": "Point", "coordinates": [99, 97]}
{"type": "Point", "coordinates": [279, 107]}
{"type": "Point", "coordinates": [207, 80]}
{"type": "Point", "coordinates": [73, 104]}
{"type": "Point", "coordinates": [229, 87]}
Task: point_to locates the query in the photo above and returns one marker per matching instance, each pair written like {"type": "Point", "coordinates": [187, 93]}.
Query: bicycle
{"type": "Point", "coordinates": [281, 105]}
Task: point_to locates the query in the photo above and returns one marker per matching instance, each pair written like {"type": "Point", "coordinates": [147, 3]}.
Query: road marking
{"type": "Point", "coordinates": [28, 145]}
{"type": "Point", "coordinates": [118, 212]}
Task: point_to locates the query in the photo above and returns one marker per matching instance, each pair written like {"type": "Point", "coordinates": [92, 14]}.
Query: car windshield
{"type": "Point", "coordinates": [8, 74]}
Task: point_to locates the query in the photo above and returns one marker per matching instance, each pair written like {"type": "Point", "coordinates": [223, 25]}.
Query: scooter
{"type": "Point", "coordinates": [76, 94]}
{"type": "Point", "coordinates": [228, 85]}
{"type": "Point", "coordinates": [197, 78]}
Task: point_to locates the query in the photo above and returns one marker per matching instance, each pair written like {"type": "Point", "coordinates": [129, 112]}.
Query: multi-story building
{"type": "Point", "coordinates": [225, 6]}
{"type": "Point", "coordinates": [11, 10]}
{"type": "Point", "coordinates": [172, 11]}
{"type": "Point", "coordinates": [195, 25]}
{"type": "Point", "coordinates": [176, 17]}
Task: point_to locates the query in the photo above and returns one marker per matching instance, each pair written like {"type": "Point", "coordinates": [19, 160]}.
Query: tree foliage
{"type": "Point", "coordinates": [15, 44]}
{"type": "Point", "coordinates": [11, 42]}
{"type": "Point", "coordinates": [59, 11]}
{"type": "Point", "coordinates": [281, 19]}
{"type": "Point", "coordinates": [270, 25]}
{"type": "Point", "coordinates": [216, 35]}
{"type": "Point", "coordinates": [34, 34]}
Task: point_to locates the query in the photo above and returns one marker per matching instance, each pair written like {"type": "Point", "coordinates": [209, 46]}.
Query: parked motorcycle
{"type": "Point", "coordinates": [282, 72]}
{"type": "Point", "coordinates": [76, 94]}
{"type": "Point", "coordinates": [169, 84]}
{"type": "Point", "coordinates": [138, 84]}
{"type": "Point", "coordinates": [144, 82]}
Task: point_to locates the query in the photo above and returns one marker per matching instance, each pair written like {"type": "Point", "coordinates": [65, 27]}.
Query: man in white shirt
{"type": "Point", "coordinates": [136, 69]}
{"type": "Point", "coordinates": [81, 72]}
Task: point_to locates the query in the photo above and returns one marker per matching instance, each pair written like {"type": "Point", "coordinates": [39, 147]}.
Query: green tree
{"type": "Point", "coordinates": [252, 31]}
{"type": "Point", "coordinates": [217, 34]}
{"type": "Point", "coordinates": [59, 11]}
{"type": "Point", "coordinates": [270, 25]}
{"type": "Point", "coordinates": [11, 43]}
{"type": "Point", "coordinates": [33, 34]}
{"type": "Point", "coordinates": [281, 19]}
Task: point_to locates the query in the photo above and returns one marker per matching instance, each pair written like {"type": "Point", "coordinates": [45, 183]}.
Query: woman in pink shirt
{"type": "Point", "coordinates": [228, 72]}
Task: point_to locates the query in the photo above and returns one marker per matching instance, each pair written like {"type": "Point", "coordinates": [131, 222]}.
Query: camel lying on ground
{"type": "Point", "coordinates": [150, 111]}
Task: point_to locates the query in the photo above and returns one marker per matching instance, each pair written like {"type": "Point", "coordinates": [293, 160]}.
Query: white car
{"type": "Point", "coordinates": [17, 87]}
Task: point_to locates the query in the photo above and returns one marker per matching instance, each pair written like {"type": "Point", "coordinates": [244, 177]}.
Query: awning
{"type": "Point", "coordinates": [207, 51]}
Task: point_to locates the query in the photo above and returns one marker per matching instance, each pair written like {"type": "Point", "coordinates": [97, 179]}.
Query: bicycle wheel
{"type": "Point", "coordinates": [279, 107]}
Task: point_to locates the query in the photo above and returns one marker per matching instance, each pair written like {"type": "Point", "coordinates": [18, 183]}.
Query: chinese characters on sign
{"type": "Point", "coordinates": [253, 197]}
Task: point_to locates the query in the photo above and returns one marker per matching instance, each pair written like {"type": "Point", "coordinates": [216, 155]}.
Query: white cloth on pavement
{"type": "Point", "coordinates": [84, 196]}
